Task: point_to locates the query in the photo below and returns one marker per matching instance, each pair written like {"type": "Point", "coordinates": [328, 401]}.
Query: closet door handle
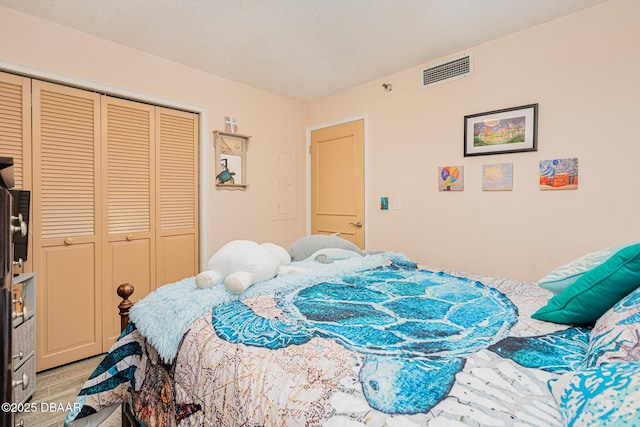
{"type": "Point", "coordinates": [129, 237]}
{"type": "Point", "coordinates": [69, 241]}
{"type": "Point", "coordinates": [357, 224]}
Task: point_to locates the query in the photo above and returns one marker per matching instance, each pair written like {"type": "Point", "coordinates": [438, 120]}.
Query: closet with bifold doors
{"type": "Point", "coordinates": [115, 200]}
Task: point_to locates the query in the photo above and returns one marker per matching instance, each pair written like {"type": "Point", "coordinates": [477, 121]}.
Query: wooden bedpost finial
{"type": "Point", "coordinates": [124, 291]}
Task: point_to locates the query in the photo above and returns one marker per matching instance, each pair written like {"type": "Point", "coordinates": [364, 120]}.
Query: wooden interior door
{"type": "Point", "coordinates": [177, 201]}
{"type": "Point", "coordinates": [65, 223]}
{"type": "Point", "coordinates": [128, 196]}
{"type": "Point", "coordinates": [337, 181]}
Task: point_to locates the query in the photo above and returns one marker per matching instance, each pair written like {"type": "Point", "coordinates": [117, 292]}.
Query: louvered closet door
{"type": "Point", "coordinates": [15, 133]}
{"type": "Point", "coordinates": [66, 218]}
{"type": "Point", "coordinates": [128, 160]}
{"type": "Point", "coordinates": [177, 213]}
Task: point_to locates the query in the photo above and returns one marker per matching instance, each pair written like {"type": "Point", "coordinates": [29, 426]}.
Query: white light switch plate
{"type": "Point", "coordinates": [397, 203]}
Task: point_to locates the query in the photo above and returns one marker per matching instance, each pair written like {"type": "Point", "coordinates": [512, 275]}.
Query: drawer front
{"type": "Point", "coordinates": [24, 342]}
{"type": "Point", "coordinates": [20, 393]}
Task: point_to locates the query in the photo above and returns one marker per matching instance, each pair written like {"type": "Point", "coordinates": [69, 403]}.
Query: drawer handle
{"type": "Point", "coordinates": [24, 381]}
{"type": "Point", "coordinates": [21, 227]}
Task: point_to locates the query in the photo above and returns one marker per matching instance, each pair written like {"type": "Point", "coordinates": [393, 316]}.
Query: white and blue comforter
{"type": "Point", "coordinates": [374, 342]}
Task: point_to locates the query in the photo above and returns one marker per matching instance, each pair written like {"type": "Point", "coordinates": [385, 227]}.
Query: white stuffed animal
{"type": "Point", "coordinates": [240, 263]}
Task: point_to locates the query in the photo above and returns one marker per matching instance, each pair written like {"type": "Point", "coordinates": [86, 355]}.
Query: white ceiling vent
{"type": "Point", "coordinates": [448, 70]}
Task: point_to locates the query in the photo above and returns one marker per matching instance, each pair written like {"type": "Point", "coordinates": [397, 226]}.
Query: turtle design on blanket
{"type": "Point", "coordinates": [413, 327]}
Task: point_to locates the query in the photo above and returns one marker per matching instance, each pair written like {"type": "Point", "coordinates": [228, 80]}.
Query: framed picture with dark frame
{"type": "Point", "coordinates": [510, 130]}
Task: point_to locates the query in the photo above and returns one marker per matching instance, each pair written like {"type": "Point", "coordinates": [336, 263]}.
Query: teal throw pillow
{"type": "Point", "coordinates": [596, 291]}
{"type": "Point", "coordinates": [561, 277]}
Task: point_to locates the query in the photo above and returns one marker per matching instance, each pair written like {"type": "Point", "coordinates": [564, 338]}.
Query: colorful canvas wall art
{"type": "Point", "coordinates": [497, 177]}
{"type": "Point", "coordinates": [559, 174]}
{"type": "Point", "coordinates": [451, 178]}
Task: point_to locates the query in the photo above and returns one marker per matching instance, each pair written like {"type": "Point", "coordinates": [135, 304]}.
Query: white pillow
{"type": "Point", "coordinates": [615, 336]}
{"type": "Point", "coordinates": [333, 254]}
{"type": "Point", "coordinates": [561, 277]}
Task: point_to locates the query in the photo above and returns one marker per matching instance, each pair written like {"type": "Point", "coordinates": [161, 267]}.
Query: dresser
{"type": "Point", "coordinates": [24, 336]}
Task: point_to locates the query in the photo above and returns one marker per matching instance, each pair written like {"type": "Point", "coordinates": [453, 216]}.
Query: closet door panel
{"type": "Point", "coordinates": [125, 262]}
{"type": "Point", "coordinates": [66, 218]}
{"type": "Point", "coordinates": [128, 159]}
{"type": "Point", "coordinates": [15, 126]}
{"type": "Point", "coordinates": [179, 252]}
{"type": "Point", "coordinates": [15, 137]}
{"type": "Point", "coordinates": [177, 204]}
{"type": "Point", "coordinates": [67, 329]}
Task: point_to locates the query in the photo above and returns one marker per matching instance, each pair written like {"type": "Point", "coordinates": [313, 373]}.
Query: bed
{"type": "Point", "coordinates": [377, 341]}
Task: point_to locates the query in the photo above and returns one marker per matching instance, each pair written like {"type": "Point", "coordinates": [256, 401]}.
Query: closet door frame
{"type": "Point", "coordinates": [203, 152]}
{"type": "Point", "coordinates": [205, 148]}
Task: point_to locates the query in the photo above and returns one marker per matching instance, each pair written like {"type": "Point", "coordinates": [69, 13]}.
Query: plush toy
{"type": "Point", "coordinates": [240, 263]}
{"type": "Point", "coordinates": [323, 248]}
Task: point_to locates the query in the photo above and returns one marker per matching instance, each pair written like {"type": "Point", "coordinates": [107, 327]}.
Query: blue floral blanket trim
{"type": "Point", "coordinates": [165, 314]}
{"type": "Point", "coordinates": [115, 374]}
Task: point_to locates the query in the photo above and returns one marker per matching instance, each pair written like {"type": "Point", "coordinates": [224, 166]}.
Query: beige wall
{"type": "Point", "coordinates": [584, 71]}
{"type": "Point", "coordinates": [275, 123]}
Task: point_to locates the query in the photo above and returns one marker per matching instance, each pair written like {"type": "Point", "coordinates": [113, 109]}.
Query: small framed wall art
{"type": "Point", "coordinates": [497, 177]}
{"type": "Point", "coordinates": [559, 174]}
{"type": "Point", "coordinates": [451, 178]}
{"type": "Point", "coordinates": [510, 130]}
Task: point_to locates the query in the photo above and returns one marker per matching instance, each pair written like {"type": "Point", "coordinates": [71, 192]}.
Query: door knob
{"type": "Point", "coordinates": [357, 224]}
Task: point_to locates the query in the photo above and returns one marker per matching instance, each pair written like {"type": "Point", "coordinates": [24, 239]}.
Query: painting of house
{"type": "Point", "coordinates": [559, 174]}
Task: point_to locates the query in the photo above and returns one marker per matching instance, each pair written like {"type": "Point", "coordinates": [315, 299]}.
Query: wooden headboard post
{"type": "Point", "coordinates": [124, 291]}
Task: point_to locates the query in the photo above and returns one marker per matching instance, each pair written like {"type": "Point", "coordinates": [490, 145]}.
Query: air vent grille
{"type": "Point", "coordinates": [447, 71]}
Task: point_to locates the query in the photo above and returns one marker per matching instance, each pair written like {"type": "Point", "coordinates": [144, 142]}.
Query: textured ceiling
{"type": "Point", "coordinates": [300, 49]}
